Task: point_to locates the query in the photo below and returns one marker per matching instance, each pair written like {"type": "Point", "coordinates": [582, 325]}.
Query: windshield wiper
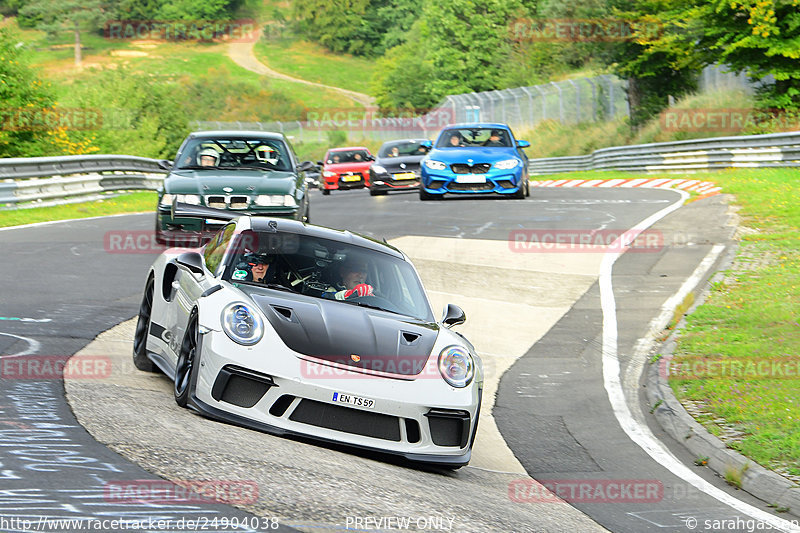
{"type": "Point", "coordinates": [275, 286]}
{"type": "Point", "coordinates": [364, 304]}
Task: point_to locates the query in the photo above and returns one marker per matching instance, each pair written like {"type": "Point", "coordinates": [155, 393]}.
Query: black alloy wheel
{"type": "Point", "coordinates": [140, 359]}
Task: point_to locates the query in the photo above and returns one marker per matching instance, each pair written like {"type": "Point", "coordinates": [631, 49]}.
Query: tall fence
{"type": "Point", "coordinates": [570, 102]}
{"type": "Point", "coordinates": [721, 78]}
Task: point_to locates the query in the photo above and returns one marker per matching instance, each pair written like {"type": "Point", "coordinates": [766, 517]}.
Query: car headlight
{"type": "Point", "coordinates": [192, 199]}
{"type": "Point", "coordinates": [378, 169]}
{"type": "Point", "coordinates": [242, 324]}
{"type": "Point", "coordinates": [506, 164]}
{"type": "Point", "coordinates": [266, 200]}
{"type": "Point", "coordinates": [434, 164]}
{"type": "Point", "coordinates": [329, 174]}
{"type": "Point", "coordinates": [456, 366]}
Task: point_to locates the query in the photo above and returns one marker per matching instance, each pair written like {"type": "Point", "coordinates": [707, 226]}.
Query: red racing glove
{"type": "Point", "coordinates": [362, 289]}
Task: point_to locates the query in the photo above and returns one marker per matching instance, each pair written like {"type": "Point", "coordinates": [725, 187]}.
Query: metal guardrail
{"type": "Point", "coordinates": [38, 179]}
{"type": "Point", "coordinates": [34, 179]}
{"type": "Point", "coordinates": [750, 151]}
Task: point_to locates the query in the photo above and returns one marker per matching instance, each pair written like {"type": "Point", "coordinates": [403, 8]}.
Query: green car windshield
{"type": "Point", "coordinates": [233, 154]}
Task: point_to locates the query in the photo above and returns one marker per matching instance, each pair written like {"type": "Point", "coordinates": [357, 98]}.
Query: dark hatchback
{"type": "Point", "coordinates": [246, 172]}
{"type": "Point", "coordinates": [397, 166]}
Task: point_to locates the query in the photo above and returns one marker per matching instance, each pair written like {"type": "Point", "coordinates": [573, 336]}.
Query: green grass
{"type": "Point", "coordinates": [136, 202]}
{"type": "Point", "coordinates": [312, 62]}
{"type": "Point", "coordinates": [750, 317]}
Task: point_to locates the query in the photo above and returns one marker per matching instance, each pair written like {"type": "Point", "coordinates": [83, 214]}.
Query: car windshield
{"type": "Point", "coordinates": [404, 149]}
{"type": "Point", "coordinates": [472, 137]}
{"type": "Point", "coordinates": [322, 268]}
{"type": "Point", "coordinates": [346, 156]}
{"type": "Point", "coordinates": [234, 154]}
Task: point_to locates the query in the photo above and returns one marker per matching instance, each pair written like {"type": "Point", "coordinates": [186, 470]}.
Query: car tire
{"type": "Point", "coordinates": [326, 192]}
{"type": "Point", "coordinates": [527, 188]}
{"type": "Point", "coordinates": [424, 195]}
{"type": "Point", "coordinates": [185, 368]}
{"type": "Point", "coordinates": [520, 194]}
{"type": "Point", "coordinates": [140, 359]}
{"type": "Point", "coordinates": [374, 192]}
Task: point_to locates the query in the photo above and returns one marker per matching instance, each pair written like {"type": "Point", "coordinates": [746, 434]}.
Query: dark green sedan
{"type": "Point", "coordinates": [225, 172]}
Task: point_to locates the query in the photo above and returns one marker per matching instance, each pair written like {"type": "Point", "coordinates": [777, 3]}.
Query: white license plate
{"type": "Point", "coordinates": [357, 401]}
{"type": "Point", "coordinates": [470, 178]}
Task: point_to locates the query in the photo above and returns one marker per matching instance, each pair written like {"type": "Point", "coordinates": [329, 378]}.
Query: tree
{"type": "Point", "coordinates": [24, 96]}
{"type": "Point", "coordinates": [67, 15]}
{"type": "Point", "coordinates": [657, 58]}
{"type": "Point", "coordinates": [759, 37]}
{"type": "Point", "coordinates": [455, 46]}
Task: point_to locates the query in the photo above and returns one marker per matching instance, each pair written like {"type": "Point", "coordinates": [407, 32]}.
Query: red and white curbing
{"type": "Point", "coordinates": [705, 188]}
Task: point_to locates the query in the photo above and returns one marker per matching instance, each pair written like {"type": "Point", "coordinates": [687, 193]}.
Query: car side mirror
{"type": "Point", "coordinates": [453, 316]}
{"type": "Point", "coordinates": [523, 144]}
{"type": "Point", "coordinates": [164, 164]}
{"type": "Point", "coordinates": [305, 166]}
{"type": "Point", "coordinates": [191, 261]}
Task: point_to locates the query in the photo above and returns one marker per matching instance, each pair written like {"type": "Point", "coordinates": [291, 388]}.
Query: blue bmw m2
{"type": "Point", "coordinates": [475, 159]}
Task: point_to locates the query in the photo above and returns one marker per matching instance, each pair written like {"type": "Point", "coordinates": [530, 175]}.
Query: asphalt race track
{"type": "Point", "coordinates": [536, 316]}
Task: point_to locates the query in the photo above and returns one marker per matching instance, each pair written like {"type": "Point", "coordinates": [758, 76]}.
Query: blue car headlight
{"type": "Point", "coordinates": [242, 324]}
{"type": "Point", "coordinates": [507, 164]}
{"type": "Point", "coordinates": [456, 366]}
{"type": "Point", "coordinates": [435, 165]}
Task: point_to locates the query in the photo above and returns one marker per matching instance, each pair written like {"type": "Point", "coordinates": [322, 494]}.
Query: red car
{"type": "Point", "coordinates": [345, 168]}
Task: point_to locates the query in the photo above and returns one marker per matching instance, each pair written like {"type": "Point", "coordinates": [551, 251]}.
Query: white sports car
{"type": "Point", "coordinates": [296, 329]}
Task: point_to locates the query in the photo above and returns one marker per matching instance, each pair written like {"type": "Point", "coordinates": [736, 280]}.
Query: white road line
{"type": "Point", "coordinates": [33, 346]}
{"type": "Point", "coordinates": [51, 222]}
{"type": "Point", "coordinates": [639, 433]}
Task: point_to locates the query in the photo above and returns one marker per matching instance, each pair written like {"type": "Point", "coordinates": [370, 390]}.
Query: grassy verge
{"type": "Point", "coordinates": [748, 325]}
{"type": "Point", "coordinates": [749, 318]}
{"type": "Point", "coordinates": [311, 62]}
{"type": "Point", "coordinates": [135, 202]}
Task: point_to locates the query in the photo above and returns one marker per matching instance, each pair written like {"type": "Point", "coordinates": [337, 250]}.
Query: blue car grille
{"type": "Point", "coordinates": [477, 168]}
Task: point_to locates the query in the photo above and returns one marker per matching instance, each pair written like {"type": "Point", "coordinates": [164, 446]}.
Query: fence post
{"type": "Point", "coordinates": [560, 101]}
{"type": "Point", "coordinates": [530, 105]}
{"type": "Point", "coordinates": [577, 102]}
{"type": "Point", "coordinates": [544, 103]}
{"type": "Point", "coordinates": [594, 99]}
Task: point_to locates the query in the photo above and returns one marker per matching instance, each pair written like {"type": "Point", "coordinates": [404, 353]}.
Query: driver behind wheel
{"type": "Point", "coordinates": [353, 274]}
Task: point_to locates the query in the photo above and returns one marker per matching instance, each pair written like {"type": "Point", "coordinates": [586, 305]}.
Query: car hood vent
{"type": "Point", "coordinates": [351, 335]}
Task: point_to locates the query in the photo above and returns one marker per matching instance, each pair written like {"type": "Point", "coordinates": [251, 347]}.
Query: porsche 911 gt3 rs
{"type": "Point", "coordinates": [259, 328]}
